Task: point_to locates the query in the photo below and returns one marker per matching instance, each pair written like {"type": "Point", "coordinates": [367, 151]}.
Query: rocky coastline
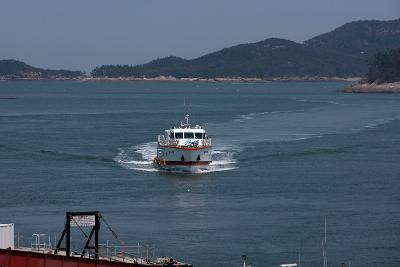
{"type": "Point", "coordinates": [224, 79]}
{"type": "Point", "coordinates": [36, 77]}
{"type": "Point", "coordinates": [372, 88]}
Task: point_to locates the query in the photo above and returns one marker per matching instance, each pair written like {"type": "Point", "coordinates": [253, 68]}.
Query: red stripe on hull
{"type": "Point", "coordinates": [187, 163]}
{"type": "Point", "coordinates": [186, 148]}
{"type": "Point", "coordinates": [181, 163]}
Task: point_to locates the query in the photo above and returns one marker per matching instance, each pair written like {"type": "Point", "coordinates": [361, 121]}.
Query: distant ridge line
{"type": "Point", "coordinates": [344, 52]}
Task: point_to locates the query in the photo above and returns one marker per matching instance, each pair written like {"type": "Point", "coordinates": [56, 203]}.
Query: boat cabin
{"type": "Point", "coordinates": [187, 133]}
{"type": "Point", "coordinates": [185, 136]}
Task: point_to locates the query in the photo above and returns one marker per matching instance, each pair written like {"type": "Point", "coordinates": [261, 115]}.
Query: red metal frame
{"type": "Point", "coordinates": [17, 258]}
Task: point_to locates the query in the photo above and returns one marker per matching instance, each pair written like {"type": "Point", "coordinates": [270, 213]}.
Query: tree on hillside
{"type": "Point", "coordinates": [386, 67]}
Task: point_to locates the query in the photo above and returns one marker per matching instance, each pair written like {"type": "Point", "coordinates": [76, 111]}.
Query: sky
{"type": "Point", "coordinates": [83, 34]}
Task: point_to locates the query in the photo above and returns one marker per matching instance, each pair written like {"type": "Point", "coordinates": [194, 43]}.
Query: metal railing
{"type": "Point", "coordinates": [127, 253]}
{"type": "Point", "coordinates": [140, 253]}
{"type": "Point", "coordinates": [40, 242]}
{"type": "Point", "coordinates": [166, 141]}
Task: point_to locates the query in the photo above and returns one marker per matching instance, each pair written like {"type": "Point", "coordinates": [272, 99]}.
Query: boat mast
{"type": "Point", "coordinates": [244, 258]}
{"type": "Point", "coordinates": [187, 119]}
{"type": "Point", "coordinates": [325, 229]}
{"type": "Point", "coordinates": [299, 261]}
{"type": "Point", "coordinates": [325, 258]}
{"type": "Point", "coordinates": [187, 112]}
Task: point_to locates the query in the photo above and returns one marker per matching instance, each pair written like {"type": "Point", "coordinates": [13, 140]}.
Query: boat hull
{"type": "Point", "coordinates": [185, 157]}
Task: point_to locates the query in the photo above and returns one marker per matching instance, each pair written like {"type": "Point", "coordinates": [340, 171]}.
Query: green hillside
{"type": "Point", "coordinates": [14, 69]}
{"type": "Point", "coordinates": [360, 38]}
{"type": "Point", "coordinates": [345, 51]}
{"type": "Point", "coordinates": [357, 42]}
{"type": "Point", "coordinates": [385, 68]}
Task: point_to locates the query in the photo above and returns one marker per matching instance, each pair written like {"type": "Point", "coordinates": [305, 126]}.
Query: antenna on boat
{"type": "Point", "coordinates": [186, 106]}
{"type": "Point", "coordinates": [299, 263]}
{"type": "Point", "coordinates": [244, 258]}
{"type": "Point", "coordinates": [187, 112]}
{"type": "Point", "coordinates": [325, 258]}
{"type": "Point", "coordinates": [325, 229]}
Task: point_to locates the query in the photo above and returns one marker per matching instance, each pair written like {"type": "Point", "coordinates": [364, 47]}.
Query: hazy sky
{"type": "Point", "coordinates": [82, 34]}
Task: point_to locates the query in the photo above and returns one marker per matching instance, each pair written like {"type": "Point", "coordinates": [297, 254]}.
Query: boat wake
{"type": "Point", "coordinates": [140, 157]}
{"type": "Point", "coordinates": [275, 126]}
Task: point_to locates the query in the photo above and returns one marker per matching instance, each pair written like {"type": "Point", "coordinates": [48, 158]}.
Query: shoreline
{"type": "Point", "coordinates": [372, 88]}
{"type": "Point", "coordinates": [189, 79]}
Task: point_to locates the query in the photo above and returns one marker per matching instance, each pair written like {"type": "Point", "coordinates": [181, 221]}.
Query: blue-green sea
{"type": "Point", "coordinates": [286, 155]}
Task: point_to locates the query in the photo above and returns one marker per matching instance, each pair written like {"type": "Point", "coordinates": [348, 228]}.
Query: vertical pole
{"type": "Point", "coordinates": [325, 229]}
{"type": "Point", "coordinates": [96, 235]}
{"type": "Point", "coordinates": [326, 257]}
{"type": "Point", "coordinates": [68, 237]}
{"type": "Point", "coordinates": [107, 249]}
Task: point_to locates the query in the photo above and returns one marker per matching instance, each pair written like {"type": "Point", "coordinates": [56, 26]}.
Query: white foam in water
{"type": "Point", "coordinates": [140, 158]}
{"type": "Point", "coordinates": [379, 122]}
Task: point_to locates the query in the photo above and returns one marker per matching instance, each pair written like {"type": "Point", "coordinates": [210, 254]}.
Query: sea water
{"type": "Point", "coordinates": [286, 155]}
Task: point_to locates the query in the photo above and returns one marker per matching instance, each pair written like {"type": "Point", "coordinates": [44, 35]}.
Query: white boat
{"type": "Point", "coordinates": [184, 146]}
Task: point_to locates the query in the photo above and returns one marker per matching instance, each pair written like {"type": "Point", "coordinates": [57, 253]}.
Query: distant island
{"type": "Point", "coordinates": [383, 75]}
{"type": "Point", "coordinates": [346, 52]}
{"type": "Point", "coordinates": [11, 69]}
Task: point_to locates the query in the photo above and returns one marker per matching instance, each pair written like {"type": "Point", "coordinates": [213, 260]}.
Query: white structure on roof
{"type": "Point", "coordinates": [7, 236]}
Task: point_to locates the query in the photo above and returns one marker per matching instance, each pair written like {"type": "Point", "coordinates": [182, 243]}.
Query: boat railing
{"type": "Point", "coordinates": [137, 253]}
{"type": "Point", "coordinates": [207, 142]}
{"type": "Point", "coordinates": [166, 141]}
{"type": "Point", "coordinates": [40, 242]}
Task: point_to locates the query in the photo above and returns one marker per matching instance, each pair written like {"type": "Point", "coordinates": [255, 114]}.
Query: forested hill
{"type": "Point", "coordinates": [345, 51]}
{"type": "Point", "coordinates": [14, 69]}
{"type": "Point", "coordinates": [360, 37]}
{"type": "Point", "coordinates": [385, 68]}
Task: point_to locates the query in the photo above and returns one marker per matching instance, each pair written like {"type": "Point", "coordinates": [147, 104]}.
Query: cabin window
{"type": "Point", "coordinates": [199, 135]}
{"type": "Point", "coordinates": [189, 135]}
{"type": "Point", "coordinates": [171, 135]}
{"type": "Point", "coordinates": [178, 135]}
